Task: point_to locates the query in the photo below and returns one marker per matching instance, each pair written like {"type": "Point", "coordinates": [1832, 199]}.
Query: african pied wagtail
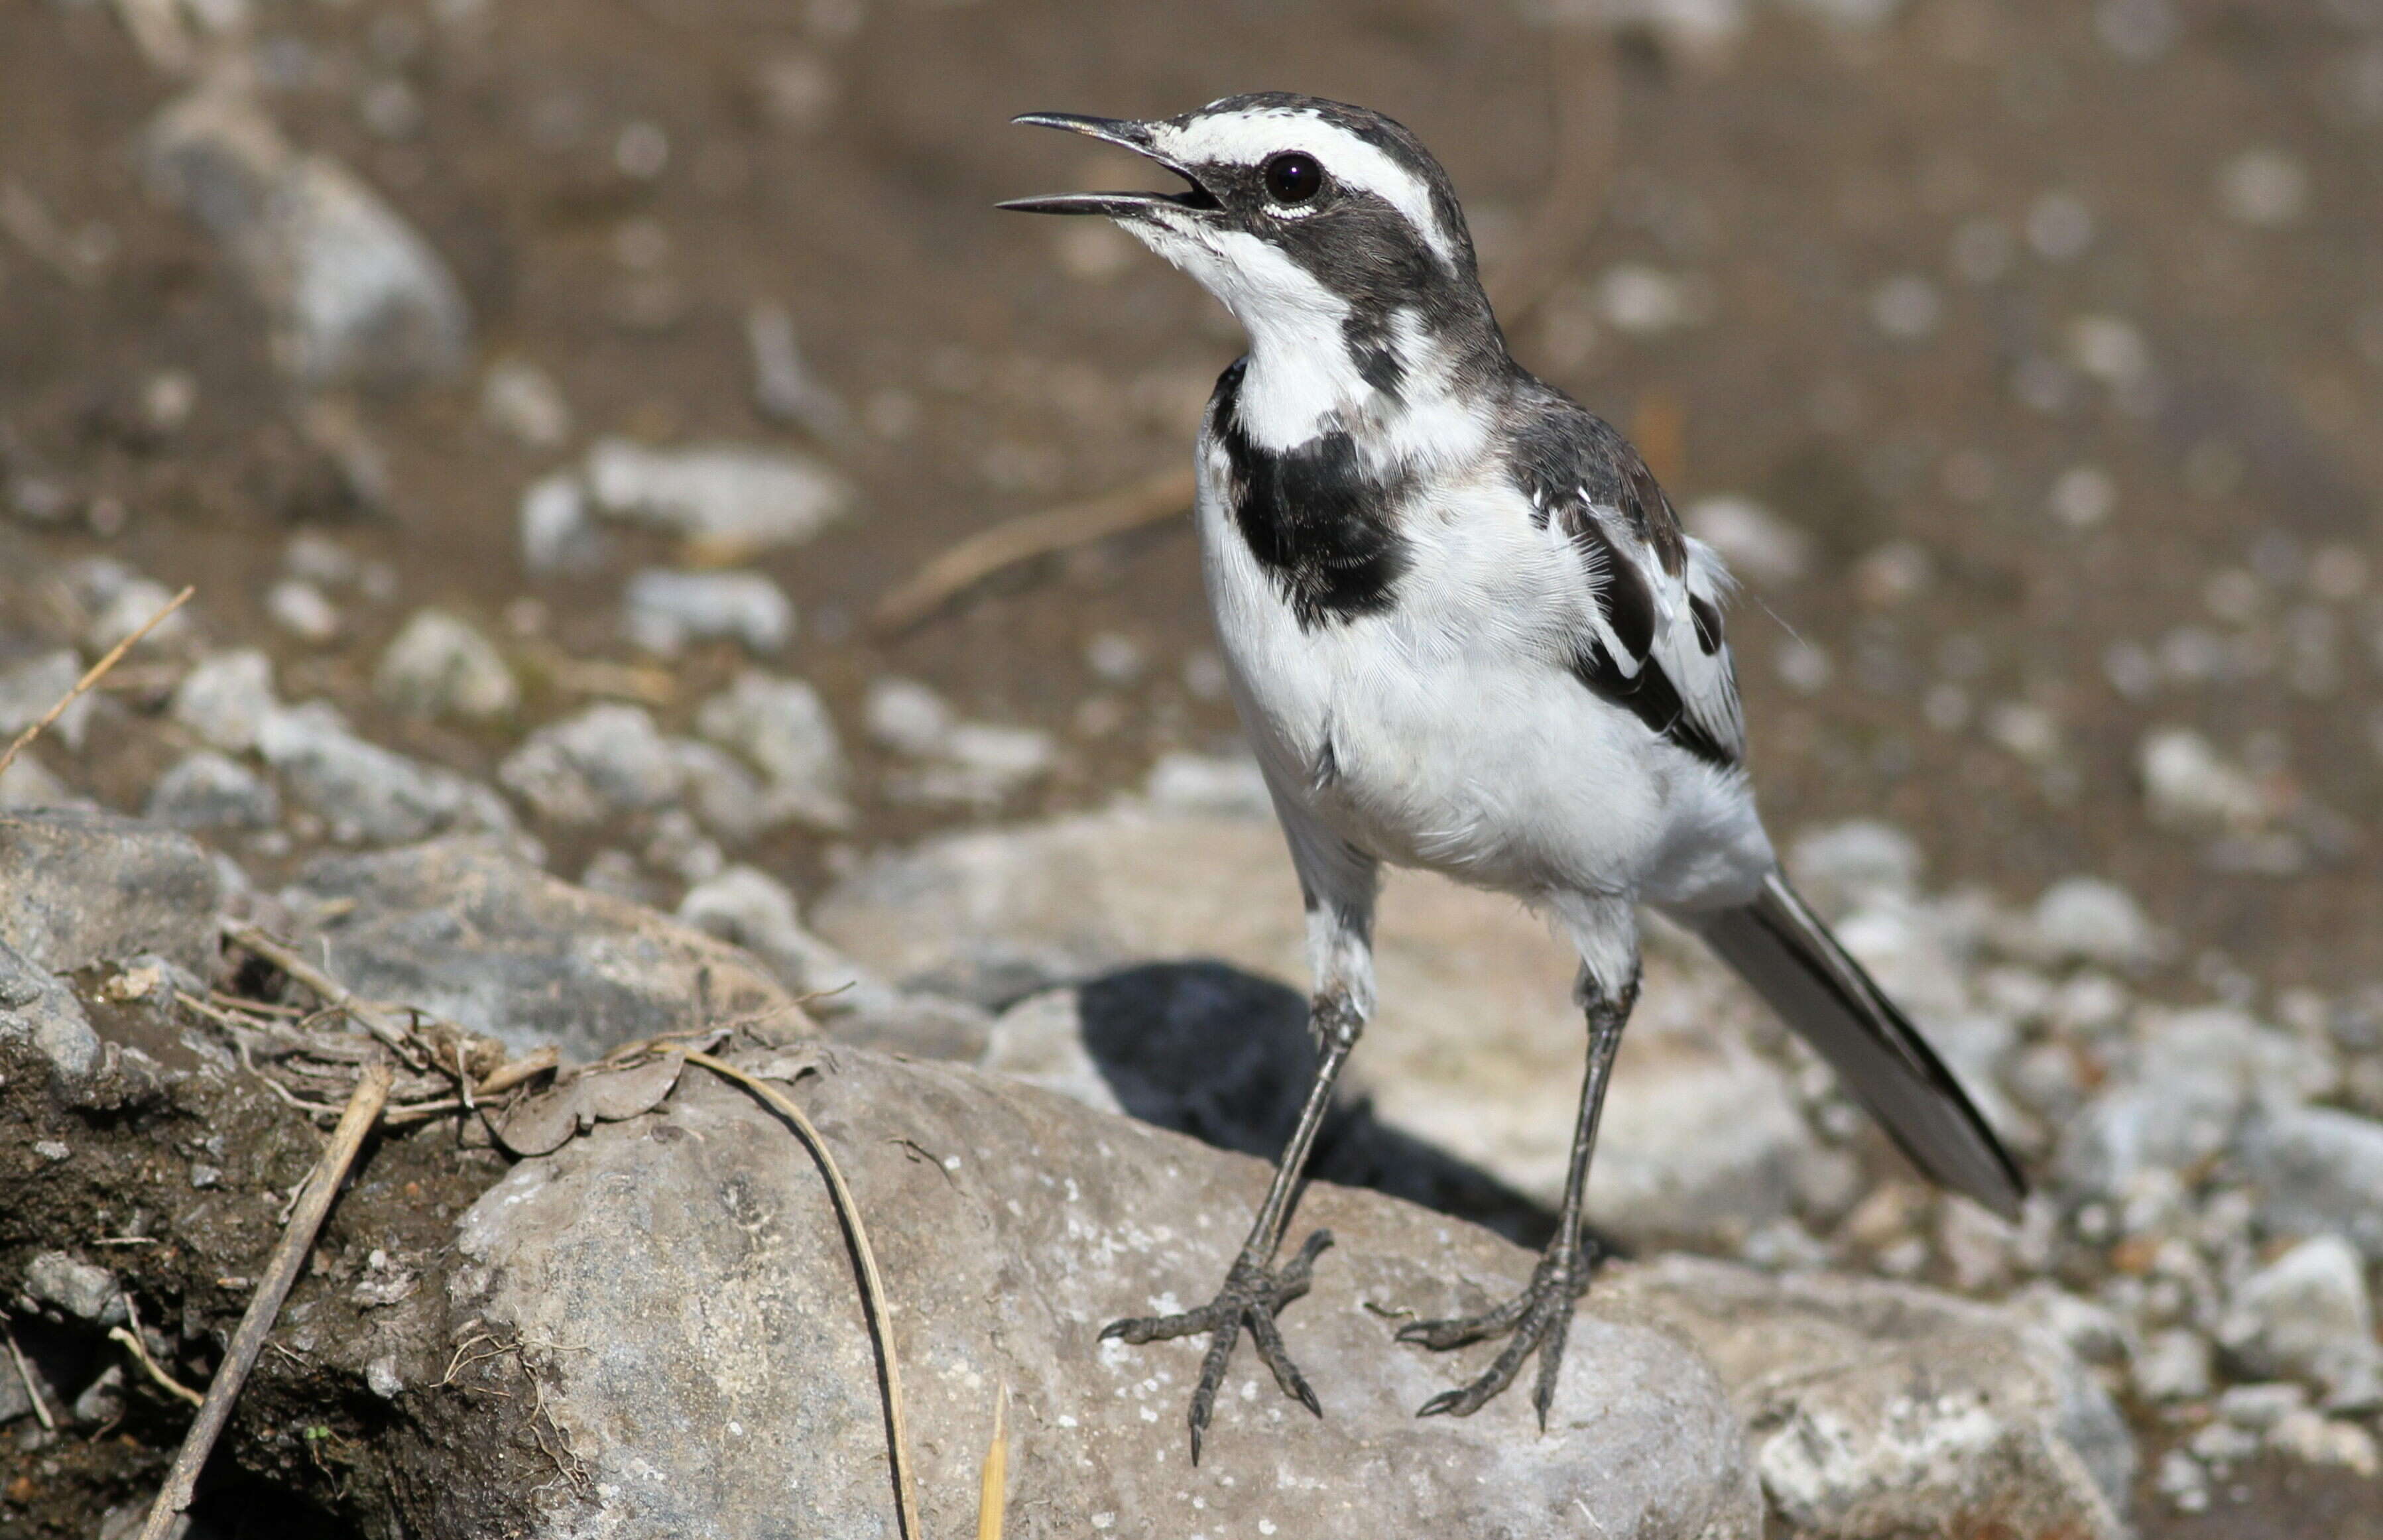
{"type": "Point", "coordinates": [1465, 632]}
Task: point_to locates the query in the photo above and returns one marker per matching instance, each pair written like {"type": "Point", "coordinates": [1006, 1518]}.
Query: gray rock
{"type": "Point", "coordinates": [2316, 1171]}
{"type": "Point", "coordinates": [40, 1011]}
{"type": "Point", "coordinates": [1200, 783]}
{"type": "Point", "coordinates": [981, 764]}
{"type": "Point", "coordinates": [2307, 1316]}
{"type": "Point", "coordinates": [2179, 1095]}
{"type": "Point", "coordinates": [2086, 919]}
{"type": "Point", "coordinates": [785, 385]}
{"type": "Point", "coordinates": [303, 610]}
{"type": "Point", "coordinates": [86, 887]}
{"type": "Point", "coordinates": [1477, 1048]}
{"type": "Point", "coordinates": [678, 846]}
{"type": "Point", "coordinates": [1709, 1144]}
{"type": "Point", "coordinates": [458, 929]}
{"type": "Point", "coordinates": [2086, 1329]}
{"type": "Point", "coordinates": [133, 607]}
{"type": "Point", "coordinates": [207, 790]}
{"type": "Point", "coordinates": [27, 783]}
{"type": "Point", "coordinates": [908, 716]}
{"type": "Point", "coordinates": [1069, 1218]}
{"type": "Point", "coordinates": [2189, 787]}
{"type": "Point", "coordinates": [558, 534]}
{"type": "Point", "coordinates": [29, 689]}
{"type": "Point", "coordinates": [1916, 957]}
{"type": "Point", "coordinates": [368, 794]}
{"type": "Point", "coordinates": [663, 610]}
{"type": "Point", "coordinates": [439, 665]}
{"type": "Point", "coordinates": [1041, 1041]}
{"type": "Point", "coordinates": [84, 1291]}
{"type": "Point", "coordinates": [522, 401]}
{"type": "Point", "coordinates": [607, 760]}
{"type": "Point", "coordinates": [2261, 1407]}
{"type": "Point", "coordinates": [726, 797]}
{"type": "Point", "coordinates": [783, 728]}
{"type": "Point", "coordinates": [225, 699]}
{"type": "Point", "coordinates": [1850, 866]}
{"type": "Point", "coordinates": [2313, 1439]}
{"type": "Point", "coordinates": [16, 1395]}
{"type": "Point", "coordinates": [737, 497]}
{"type": "Point", "coordinates": [747, 907]}
{"type": "Point", "coordinates": [102, 1401]}
{"type": "Point", "coordinates": [2183, 1481]}
{"type": "Point", "coordinates": [2172, 1365]}
{"type": "Point", "coordinates": [2222, 1446]}
{"type": "Point", "coordinates": [382, 1378]}
{"type": "Point", "coordinates": [961, 763]}
{"type": "Point", "coordinates": [1879, 1410]}
{"type": "Point", "coordinates": [355, 295]}
{"type": "Point", "coordinates": [915, 1025]}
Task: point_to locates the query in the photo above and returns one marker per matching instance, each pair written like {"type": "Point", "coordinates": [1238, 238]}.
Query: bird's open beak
{"type": "Point", "coordinates": [1117, 206]}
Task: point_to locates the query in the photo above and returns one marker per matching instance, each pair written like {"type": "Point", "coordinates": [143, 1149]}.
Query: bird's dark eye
{"type": "Point", "coordinates": [1293, 177]}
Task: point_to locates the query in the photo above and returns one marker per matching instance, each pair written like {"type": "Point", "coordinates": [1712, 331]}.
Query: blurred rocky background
{"type": "Point", "coordinates": [542, 400]}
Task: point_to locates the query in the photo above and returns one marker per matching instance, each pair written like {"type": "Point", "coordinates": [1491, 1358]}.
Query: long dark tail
{"type": "Point", "coordinates": [1782, 949]}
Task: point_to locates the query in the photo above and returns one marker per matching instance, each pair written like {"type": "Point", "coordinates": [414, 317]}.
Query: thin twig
{"type": "Point", "coordinates": [1014, 540]}
{"type": "Point", "coordinates": [507, 1075]}
{"type": "Point", "coordinates": [280, 1271]}
{"type": "Point", "coordinates": [377, 1020]}
{"type": "Point", "coordinates": [25, 1373]}
{"type": "Point", "coordinates": [96, 672]}
{"type": "Point", "coordinates": [993, 1480]}
{"type": "Point", "coordinates": [872, 1286]}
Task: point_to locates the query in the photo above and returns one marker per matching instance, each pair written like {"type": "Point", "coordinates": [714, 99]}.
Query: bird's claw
{"type": "Point", "coordinates": [1538, 1318]}
{"type": "Point", "coordinates": [1253, 1295]}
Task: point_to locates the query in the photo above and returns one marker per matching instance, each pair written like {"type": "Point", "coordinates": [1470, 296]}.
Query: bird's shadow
{"type": "Point", "coordinates": [1225, 1056]}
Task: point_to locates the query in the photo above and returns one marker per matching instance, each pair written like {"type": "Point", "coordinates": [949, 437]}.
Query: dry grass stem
{"type": "Point", "coordinates": [993, 1482]}
{"type": "Point", "coordinates": [32, 1390]}
{"type": "Point", "coordinates": [986, 552]}
{"type": "Point", "coordinates": [139, 1351]}
{"type": "Point", "coordinates": [281, 1270]}
{"type": "Point", "coordinates": [129, 1335]}
{"type": "Point", "coordinates": [96, 672]}
{"type": "Point", "coordinates": [378, 1020]}
{"type": "Point", "coordinates": [872, 1285]}
{"type": "Point", "coordinates": [505, 1077]}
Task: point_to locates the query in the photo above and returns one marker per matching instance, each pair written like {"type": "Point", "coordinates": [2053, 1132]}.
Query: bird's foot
{"type": "Point", "coordinates": [1537, 1319]}
{"type": "Point", "coordinates": [1253, 1294]}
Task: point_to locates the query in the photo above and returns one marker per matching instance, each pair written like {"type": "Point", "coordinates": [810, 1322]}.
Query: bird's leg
{"type": "Point", "coordinates": [1539, 1316]}
{"type": "Point", "coordinates": [1253, 1290]}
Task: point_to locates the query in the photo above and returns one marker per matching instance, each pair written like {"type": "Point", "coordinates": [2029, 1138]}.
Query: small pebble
{"type": "Point", "coordinates": [300, 608]}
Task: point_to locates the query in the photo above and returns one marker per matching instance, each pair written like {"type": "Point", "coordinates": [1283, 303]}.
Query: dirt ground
{"type": "Point", "coordinates": [2057, 328]}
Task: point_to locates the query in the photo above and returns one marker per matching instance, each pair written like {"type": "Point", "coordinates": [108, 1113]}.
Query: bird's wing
{"type": "Point", "coordinates": [1651, 638]}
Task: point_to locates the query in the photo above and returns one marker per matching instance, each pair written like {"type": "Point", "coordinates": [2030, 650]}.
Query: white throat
{"type": "Point", "coordinates": [1302, 379]}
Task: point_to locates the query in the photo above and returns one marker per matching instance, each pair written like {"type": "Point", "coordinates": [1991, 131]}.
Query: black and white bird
{"type": "Point", "coordinates": [1465, 632]}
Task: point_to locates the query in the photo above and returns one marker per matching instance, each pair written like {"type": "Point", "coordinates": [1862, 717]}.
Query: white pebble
{"type": "Point", "coordinates": [2263, 189]}
{"type": "Point", "coordinates": [2060, 227]}
{"type": "Point", "coordinates": [2082, 497]}
{"type": "Point", "coordinates": [300, 609]}
{"type": "Point", "coordinates": [1906, 307]}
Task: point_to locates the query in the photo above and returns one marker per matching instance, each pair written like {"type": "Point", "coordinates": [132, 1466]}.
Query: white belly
{"type": "Point", "coordinates": [1444, 734]}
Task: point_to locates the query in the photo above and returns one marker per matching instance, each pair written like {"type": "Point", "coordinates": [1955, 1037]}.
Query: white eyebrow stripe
{"type": "Point", "coordinates": [1249, 138]}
